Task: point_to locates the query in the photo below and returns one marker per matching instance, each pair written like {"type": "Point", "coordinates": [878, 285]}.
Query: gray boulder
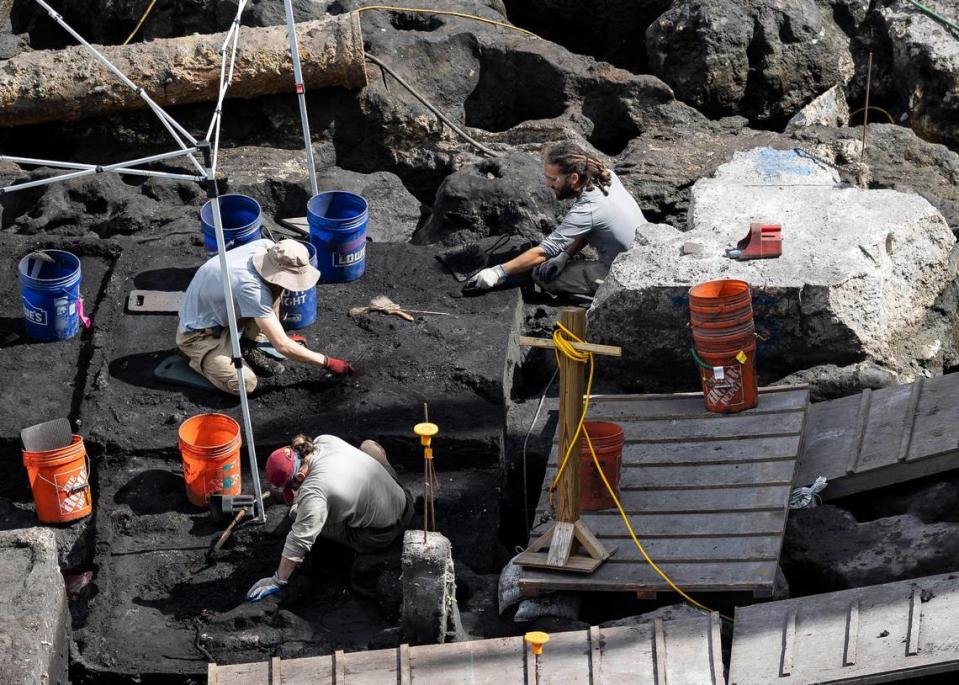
{"type": "Point", "coordinates": [828, 381]}
{"type": "Point", "coordinates": [502, 196]}
{"type": "Point", "coordinates": [829, 109]}
{"type": "Point", "coordinates": [826, 549]}
{"type": "Point", "coordinates": [925, 63]}
{"type": "Point", "coordinates": [34, 621]}
{"type": "Point", "coordinates": [859, 268]}
{"type": "Point", "coordinates": [764, 60]}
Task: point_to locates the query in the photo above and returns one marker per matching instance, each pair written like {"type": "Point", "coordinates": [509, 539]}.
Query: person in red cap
{"type": "Point", "coordinates": [338, 492]}
{"type": "Point", "coordinates": [259, 273]}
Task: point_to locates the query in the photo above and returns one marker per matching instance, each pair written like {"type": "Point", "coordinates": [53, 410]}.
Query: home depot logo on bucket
{"type": "Point", "coordinates": [727, 386]}
{"type": "Point", "coordinates": [73, 490]}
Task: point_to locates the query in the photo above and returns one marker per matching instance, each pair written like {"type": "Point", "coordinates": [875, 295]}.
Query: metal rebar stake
{"type": "Point", "coordinates": [865, 110]}
{"type": "Point", "coordinates": [300, 94]}
{"type": "Point", "coordinates": [213, 194]}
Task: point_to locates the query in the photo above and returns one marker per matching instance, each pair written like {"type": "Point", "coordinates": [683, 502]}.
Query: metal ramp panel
{"type": "Point", "coordinates": [882, 437]}
{"type": "Point", "coordinates": [707, 494]}
{"type": "Point", "coordinates": [681, 651]}
{"type": "Point", "coordinates": [879, 634]}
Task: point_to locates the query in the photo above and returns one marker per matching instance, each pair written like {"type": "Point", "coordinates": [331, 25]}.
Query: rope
{"type": "Point", "coordinates": [878, 109]}
{"type": "Point", "coordinates": [565, 347]}
{"type": "Point", "coordinates": [442, 117]}
{"type": "Point", "coordinates": [935, 15]}
{"type": "Point", "coordinates": [446, 13]}
{"type": "Point", "coordinates": [140, 23]}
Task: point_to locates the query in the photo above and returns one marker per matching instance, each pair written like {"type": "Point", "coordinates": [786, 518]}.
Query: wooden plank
{"type": "Point", "coordinates": [482, 662]}
{"type": "Point", "coordinates": [695, 476]}
{"type": "Point", "coordinates": [317, 669]}
{"type": "Point", "coordinates": [683, 407]}
{"type": "Point", "coordinates": [936, 430]}
{"type": "Point", "coordinates": [256, 673]}
{"type": "Point", "coordinates": [731, 427]}
{"type": "Point", "coordinates": [561, 546]}
{"type": "Point", "coordinates": [404, 668]}
{"type": "Point", "coordinates": [828, 436]}
{"type": "Point", "coordinates": [695, 550]}
{"type": "Point", "coordinates": [850, 652]}
{"type": "Point", "coordinates": [276, 670]}
{"type": "Point", "coordinates": [890, 633]}
{"type": "Point", "coordinates": [718, 669]}
{"type": "Point", "coordinates": [626, 656]}
{"type": "Point", "coordinates": [547, 344]}
{"type": "Point", "coordinates": [909, 419]}
{"type": "Point", "coordinates": [154, 301]}
{"type": "Point", "coordinates": [636, 577]}
{"type": "Point", "coordinates": [370, 668]}
{"type": "Point", "coordinates": [212, 676]}
{"type": "Point", "coordinates": [719, 452]}
{"type": "Point", "coordinates": [668, 527]}
{"type": "Point", "coordinates": [339, 668]}
{"type": "Point", "coordinates": [859, 431]}
{"type": "Point", "coordinates": [758, 498]}
{"type": "Point", "coordinates": [788, 644]}
{"type": "Point", "coordinates": [564, 660]}
{"type": "Point", "coordinates": [880, 445]}
{"type": "Point", "coordinates": [575, 564]}
{"type": "Point", "coordinates": [915, 622]}
{"type": "Point", "coordinates": [659, 650]}
{"type": "Point", "coordinates": [595, 657]}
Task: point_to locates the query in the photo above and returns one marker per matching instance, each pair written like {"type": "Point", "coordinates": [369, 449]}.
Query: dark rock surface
{"type": "Point", "coordinates": [826, 549]}
{"type": "Point", "coordinates": [764, 60]}
{"type": "Point", "coordinates": [502, 196]}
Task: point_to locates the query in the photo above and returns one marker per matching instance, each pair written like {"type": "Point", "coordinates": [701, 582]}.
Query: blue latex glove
{"type": "Point", "coordinates": [549, 271]}
{"type": "Point", "coordinates": [265, 587]}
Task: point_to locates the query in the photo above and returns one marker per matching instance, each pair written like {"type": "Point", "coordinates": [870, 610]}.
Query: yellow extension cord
{"type": "Point", "coordinates": [140, 23]}
{"type": "Point", "coordinates": [447, 13]}
{"type": "Point", "coordinates": [564, 346]}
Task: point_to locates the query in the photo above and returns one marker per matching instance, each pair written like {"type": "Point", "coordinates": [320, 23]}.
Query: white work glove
{"type": "Point", "coordinates": [265, 587]}
{"type": "Point", "coordinates": [488, 278]}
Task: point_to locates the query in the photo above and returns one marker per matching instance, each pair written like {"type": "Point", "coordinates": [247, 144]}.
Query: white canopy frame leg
{"type": "Point", "coordinates": [300, 94]}
{"type": "Point", "coordinates": [213, 194]}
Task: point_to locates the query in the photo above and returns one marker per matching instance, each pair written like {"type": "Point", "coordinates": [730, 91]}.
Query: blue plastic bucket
{"type": "Point", "coordinates": [338, 232]}
{"type": "Point", "coordinates": [51, 295]}
{"type": "Point", "coordinates": [242, 220]}
{"type": "Point", "coordinates": [298, 310]}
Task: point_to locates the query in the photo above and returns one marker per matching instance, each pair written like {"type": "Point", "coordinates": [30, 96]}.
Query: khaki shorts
{"type": "Point", "coordinates": [211, 356]}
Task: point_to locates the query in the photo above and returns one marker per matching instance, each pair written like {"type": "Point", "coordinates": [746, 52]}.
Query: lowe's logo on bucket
{"type": "Point", "coordinates": [34, 314]}
{"type": "Point", "coordinates": [343, 260]}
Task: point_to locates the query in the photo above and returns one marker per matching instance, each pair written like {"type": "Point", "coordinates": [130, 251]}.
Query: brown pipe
{"type": "Point", "coordinates": [58, 85]}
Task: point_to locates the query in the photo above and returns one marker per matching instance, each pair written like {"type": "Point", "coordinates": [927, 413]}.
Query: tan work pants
{"type": "Point", "coordinates": [211, 356]}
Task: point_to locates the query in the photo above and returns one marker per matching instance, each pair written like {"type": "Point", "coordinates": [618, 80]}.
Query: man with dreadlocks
{"type": "Point", "coordinates": [604, 215]}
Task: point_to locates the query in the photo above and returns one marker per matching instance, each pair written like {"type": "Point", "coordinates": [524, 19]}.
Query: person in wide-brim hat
{"type": "Point", "coordinates": [259, 272]}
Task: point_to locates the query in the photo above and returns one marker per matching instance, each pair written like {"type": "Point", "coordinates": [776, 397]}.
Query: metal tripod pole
{"type": "Point", "coordinates": [213, 194]}
{"type": "Point", "coordinates": [300, 93]}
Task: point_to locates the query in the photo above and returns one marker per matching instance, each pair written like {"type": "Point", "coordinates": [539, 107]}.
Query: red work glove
{"type": "Point", "coordinates": [338, 367]}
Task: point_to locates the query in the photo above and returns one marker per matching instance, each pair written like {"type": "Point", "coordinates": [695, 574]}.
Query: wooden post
{"type": "Point", "coordinates": [570, 410]}
{"type": "Point", "coordinates": [568, 531]}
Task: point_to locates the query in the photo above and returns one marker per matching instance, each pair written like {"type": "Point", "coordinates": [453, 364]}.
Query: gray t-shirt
{"type": "Point", "coordinates": [344, 486]}
{"type": "Point", "coordinates": [204, 305]}
{"type": "Point", "coordinates": [609, 222]}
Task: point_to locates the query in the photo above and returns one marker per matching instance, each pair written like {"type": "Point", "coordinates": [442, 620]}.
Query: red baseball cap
{"type": "Point", "coordinates": [280, 467]}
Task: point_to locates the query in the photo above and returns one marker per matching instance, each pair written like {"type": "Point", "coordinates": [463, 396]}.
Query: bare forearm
{"type": "Point", "coordinates": [526, 261]}
{"type": "Point", "coordinates": [286, 568]}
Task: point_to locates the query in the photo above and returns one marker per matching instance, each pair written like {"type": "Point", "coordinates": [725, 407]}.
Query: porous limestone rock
{"type": "Point", "coordinates": [859, 267]}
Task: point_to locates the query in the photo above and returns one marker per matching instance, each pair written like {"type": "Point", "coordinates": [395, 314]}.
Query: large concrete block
{"type": "Point", "coordinates": [429, 588]}
{"type": "Point", "coordinates": [34, 621]}
{"type": "Point", "coordinates": [858, 272]}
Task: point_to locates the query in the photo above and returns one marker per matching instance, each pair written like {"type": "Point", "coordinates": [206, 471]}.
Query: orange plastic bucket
{"type": "Point", "coordinates": [607, 439]}
{"type": "Point", "coordinates": [210, 448]}
{"type": "Point", "coordinates": [730, 339]}
{"type": "Point", "coordinates": [729, 381]}
{"type": "Point", "coordinates": [720, 304]}
{"type": "Point", "coordinates": [60, 481]}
